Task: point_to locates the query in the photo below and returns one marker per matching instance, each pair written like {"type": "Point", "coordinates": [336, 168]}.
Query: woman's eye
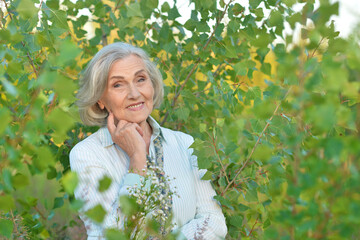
{"type": "Point", "coordinates": [116, 85]}
{"type": "Point", "coordinates": [141, 80]}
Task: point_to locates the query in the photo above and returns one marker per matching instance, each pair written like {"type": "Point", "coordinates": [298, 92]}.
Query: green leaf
{"type": "Point", "coordinates": [5, 117]}
{"type": "Point", "coordinates": [236, 221]}
{"type": "Point", "coordinates": [59, 20]}
{"type": "Point", "coordinates": [240, 68]}
{"type": "Point", "coordinates": [173, 13]}
{"type": "Point", "coordinates": [220, 122]}
{"type": "Point", "coordinates": [267, 223]}
{"type": "Point", "coordinates": [44, 234]}
{"type": "Point", "coordinates": [61, 122]}
{"type": "Point", "coordinates": [207, 176]}
{"type": "Point", "coordinates": [64, 87]}
{"type": "Point", "coordinates": [128, 205]}
{"type": "Point", "coordinates": [224, 202]}
{"type": "Point", "coordinates": [97, 213]}
{"type": "Point", "coordinates": [6, 228]}
{"type": "Point", "coordinates": [20, 180]}
{"type": "Point", "coordinates": [26, 9]}
{"type": "Point", "coordinates": [202, 127]}
{"type": "Point", "coordinates": [203, 152]}
{"type": "Point", "coordinates": [10, 88]}
{"type": "Point", "coordinates": [293, 19]}
{"type": "Point", "coordinates": [333, 148]}
{"type": "Point", "coordinates": [182, 113]}
{"type": "Point", "coordinates": [76, 204]}
{"type": "Point", "coordinates": [58, 202]}
{"type": "Point", "coordinates": [266, 68]}
{"type": "Point", "coordinates": [165, 7]}
{"type": "Point", "coordinates": [136, 22]}
{"type": "Point", "coordinates": [242, 207]}
{"type": "Point", "coordinates": [53, 4]}
{"type": "Point", "coordinates": [115, 234]}
{"type": "Point", "coordinates": [251, 192]}
{"type": "Point", "coordinates": [133, 10]}
{"type": "Point", "coordinates": [275, 19]}
{"type": "Point", "coordinates": [68, 51]}
{"type": "Point", "coordinates": [230, 51]}
{"type": "Point", "coordinates": [104, 184]}
{"type": "Point", "coordinates": [44, 158]}
{"type": "Point", "coordinates": [6, 176]}
{"type": "Point", "coordinates": [263, 153]}
{"type": "Point", "coordinates": [7, 203]}
{"type": "Point", "coordinates": [254, 3]}
{"type": "Point", "coordinates": [190, 25]}
{"type": "Point", "coordinates": [70, 181]}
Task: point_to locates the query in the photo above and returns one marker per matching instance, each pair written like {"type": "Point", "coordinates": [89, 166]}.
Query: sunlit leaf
{"type": "Point", "coordinates": [5, 117]}
{"type": "Point", "coordinates": [70, 181]}
{"type": "Point", "coordinates": [7, 202]}
{"type": "Point", "coordinates": [104, 184]}
{"type": "Point", "coordinates": [26, 9]}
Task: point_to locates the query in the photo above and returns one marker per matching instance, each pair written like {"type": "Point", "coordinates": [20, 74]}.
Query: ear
{"type": "Point", "coordinates": [101, 105]}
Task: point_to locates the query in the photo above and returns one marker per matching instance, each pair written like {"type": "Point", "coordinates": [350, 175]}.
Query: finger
{"type": "Point", "coordinates": [134, 126]}
{"type": "Point", "coordinates": [122, 123]}
{"type": "Point", "coordinates": [139, 129]}
{"type": "Point", "coordinates": [110, 123]}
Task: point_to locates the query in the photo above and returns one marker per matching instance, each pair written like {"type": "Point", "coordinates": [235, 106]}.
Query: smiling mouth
{"type": "Point", "coordinates": [135, 105]}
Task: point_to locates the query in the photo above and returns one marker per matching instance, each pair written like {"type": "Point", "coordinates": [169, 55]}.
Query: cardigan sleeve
{"type": "Point", "coordinates": [87, 162]}
{"type": "Point", "coordinates": [209, 221]}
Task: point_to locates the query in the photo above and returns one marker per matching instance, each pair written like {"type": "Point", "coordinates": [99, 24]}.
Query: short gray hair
{"type": "Point", "coordinates": [94, 81]}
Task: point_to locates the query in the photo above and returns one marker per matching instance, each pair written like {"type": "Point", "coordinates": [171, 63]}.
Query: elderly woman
{"type": "Point", "coordinates": [120, 88]}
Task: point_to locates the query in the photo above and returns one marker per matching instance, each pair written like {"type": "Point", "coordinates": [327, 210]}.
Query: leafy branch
{"type": "Point", "coordinates": [197, 61]}
{"type": "Point", "coordinates": [23, 44]}
{"type": "Point", "coordinates": [223, 169]}
{"type": "Point", "coordinates": [255, 146]}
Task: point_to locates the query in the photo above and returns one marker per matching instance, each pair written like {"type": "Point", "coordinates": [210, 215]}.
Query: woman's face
{"type": "Point", "coordinates": [129, 92]}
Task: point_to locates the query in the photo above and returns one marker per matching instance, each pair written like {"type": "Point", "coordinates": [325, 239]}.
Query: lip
{"type": "Point", "coordinates": [136, 106]}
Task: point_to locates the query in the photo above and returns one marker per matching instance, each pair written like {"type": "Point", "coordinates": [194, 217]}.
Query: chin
{"type": "Point", "coordinates": [138, 120]}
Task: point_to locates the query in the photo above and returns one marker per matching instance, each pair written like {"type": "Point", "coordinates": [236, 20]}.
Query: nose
{"type": "Point", "coordinates": [133, 91]}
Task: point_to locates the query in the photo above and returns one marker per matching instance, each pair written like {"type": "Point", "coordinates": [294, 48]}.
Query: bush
{"type": "Point", "coordinates": [276, 119]}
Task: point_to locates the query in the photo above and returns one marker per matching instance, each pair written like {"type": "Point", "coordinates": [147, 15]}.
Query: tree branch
{"type": "Point", "coordinates": [256, 144]}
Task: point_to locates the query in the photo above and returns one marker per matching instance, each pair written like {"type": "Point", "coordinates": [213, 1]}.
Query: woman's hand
{"type": "Point", "coordinates": [129, 136]}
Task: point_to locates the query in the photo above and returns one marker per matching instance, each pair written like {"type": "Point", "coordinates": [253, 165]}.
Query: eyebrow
{"type": "Point", "coordinates": [121, 77]}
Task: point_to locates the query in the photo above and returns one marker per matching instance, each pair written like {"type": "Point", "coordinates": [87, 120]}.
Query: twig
{"type": "Point", "coordinates": [256, 144]}
{"type": "Point", "coordinates": [172, 74]}
{"type": "Point", "coordinates": [31, 61]}
{"type": "Point", "coordinates": [118, 5]}
{"type": "Point", "coordinates": [40, 213]}
{"type": "Point", "coordinates": [7, 9]}
{"type": "Point", "coordinates": [14, 222]}
{"type": "Point", "coordinates": [217, 154]}
{"type": "Point", "coordinates": [217, 70]}
{"type": "Point", "coordinates": [252, 229]}
{"type": "Point", "coordinates": [317, 47]}
{"type": "Point", "coordinates": [196, 63]}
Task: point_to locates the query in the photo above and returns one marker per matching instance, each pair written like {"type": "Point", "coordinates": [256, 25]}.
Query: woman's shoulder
{"type": "Point", "coordinates": [177, 136]}
{"type": "Point", "coordinates": [91, 143]}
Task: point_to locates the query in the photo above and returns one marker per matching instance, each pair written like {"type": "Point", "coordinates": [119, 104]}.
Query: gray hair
{"type": "Point", "coordinates": [94, 81]}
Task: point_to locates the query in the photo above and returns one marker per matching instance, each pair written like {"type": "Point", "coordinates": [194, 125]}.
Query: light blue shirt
{"type": "Point", "coordinates": [194, 211]}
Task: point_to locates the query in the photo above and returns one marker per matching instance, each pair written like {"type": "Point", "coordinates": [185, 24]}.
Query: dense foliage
{"type": "Point", "coordinates": [276, 117]}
